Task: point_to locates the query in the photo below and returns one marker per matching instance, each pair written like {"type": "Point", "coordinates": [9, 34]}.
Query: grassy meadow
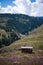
{"type": "Point", "coordinates": [18, 30]}
{"type": "Point", "coordinates": [11, 56]}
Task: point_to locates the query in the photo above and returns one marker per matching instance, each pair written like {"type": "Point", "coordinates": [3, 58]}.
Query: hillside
{"type": "Point", "coordinates": [15, 26]}
{"type": "Point", "coordinates": [19, 22]}
{"type": "Point", "coordinates": [20, 30]}
{"type": "Point", "coordinates": [35, 39]}
{"type": "Point", "coordinates": [10, 55]}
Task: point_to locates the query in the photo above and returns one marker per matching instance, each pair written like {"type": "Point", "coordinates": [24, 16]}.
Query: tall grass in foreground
{"type": "Point", "coordinates": [24, 60]}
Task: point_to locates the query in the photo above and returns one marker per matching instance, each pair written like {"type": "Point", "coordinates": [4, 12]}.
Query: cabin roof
{"type": "Point", "coordinates": [27, 47]}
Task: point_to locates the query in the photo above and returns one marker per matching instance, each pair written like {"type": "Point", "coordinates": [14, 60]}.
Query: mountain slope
{"type": "Point", "coordinates": [16, 25]}
{"type": "Point", "coordinates": [19, 22]}
{"type": "Point", "coordinates": [35, 39]}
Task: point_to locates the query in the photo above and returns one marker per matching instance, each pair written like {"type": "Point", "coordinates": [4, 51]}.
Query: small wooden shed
{"type": "Point", "coordinates": [27, 49]}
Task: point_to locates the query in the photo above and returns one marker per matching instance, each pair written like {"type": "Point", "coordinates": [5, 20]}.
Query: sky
{"type": "Point", "coordinates": [28, 7]}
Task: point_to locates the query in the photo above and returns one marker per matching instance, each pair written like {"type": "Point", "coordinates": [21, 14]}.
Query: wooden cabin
{"type": "Point", "coordinates": [26, 49]}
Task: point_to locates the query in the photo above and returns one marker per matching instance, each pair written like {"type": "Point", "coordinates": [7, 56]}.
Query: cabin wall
{"type": "Point", "coordinates": [26, 50]}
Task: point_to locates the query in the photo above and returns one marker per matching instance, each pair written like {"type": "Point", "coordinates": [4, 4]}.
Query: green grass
{"type": "Point", "coordinates": [35, 40]}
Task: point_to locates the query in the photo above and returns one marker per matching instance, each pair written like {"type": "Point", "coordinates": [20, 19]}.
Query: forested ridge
{"type": "Point", "coordinates": [12, 25]}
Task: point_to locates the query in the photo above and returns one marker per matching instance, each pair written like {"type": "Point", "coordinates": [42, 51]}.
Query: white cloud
{"type": "Point", "coordinates": [24, 7]}
{"type": "Point", "coordinates": [37, 9]}
{"type": "Point", "coordinates": [39, 1]}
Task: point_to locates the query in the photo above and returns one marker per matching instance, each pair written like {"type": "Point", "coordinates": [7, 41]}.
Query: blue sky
{"type": "Point", "coordinates": [33, 0]}
{"type": "Point", "coordinates": [28, 7]}
{"type": "Point", "coordinates": [4, 3]}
